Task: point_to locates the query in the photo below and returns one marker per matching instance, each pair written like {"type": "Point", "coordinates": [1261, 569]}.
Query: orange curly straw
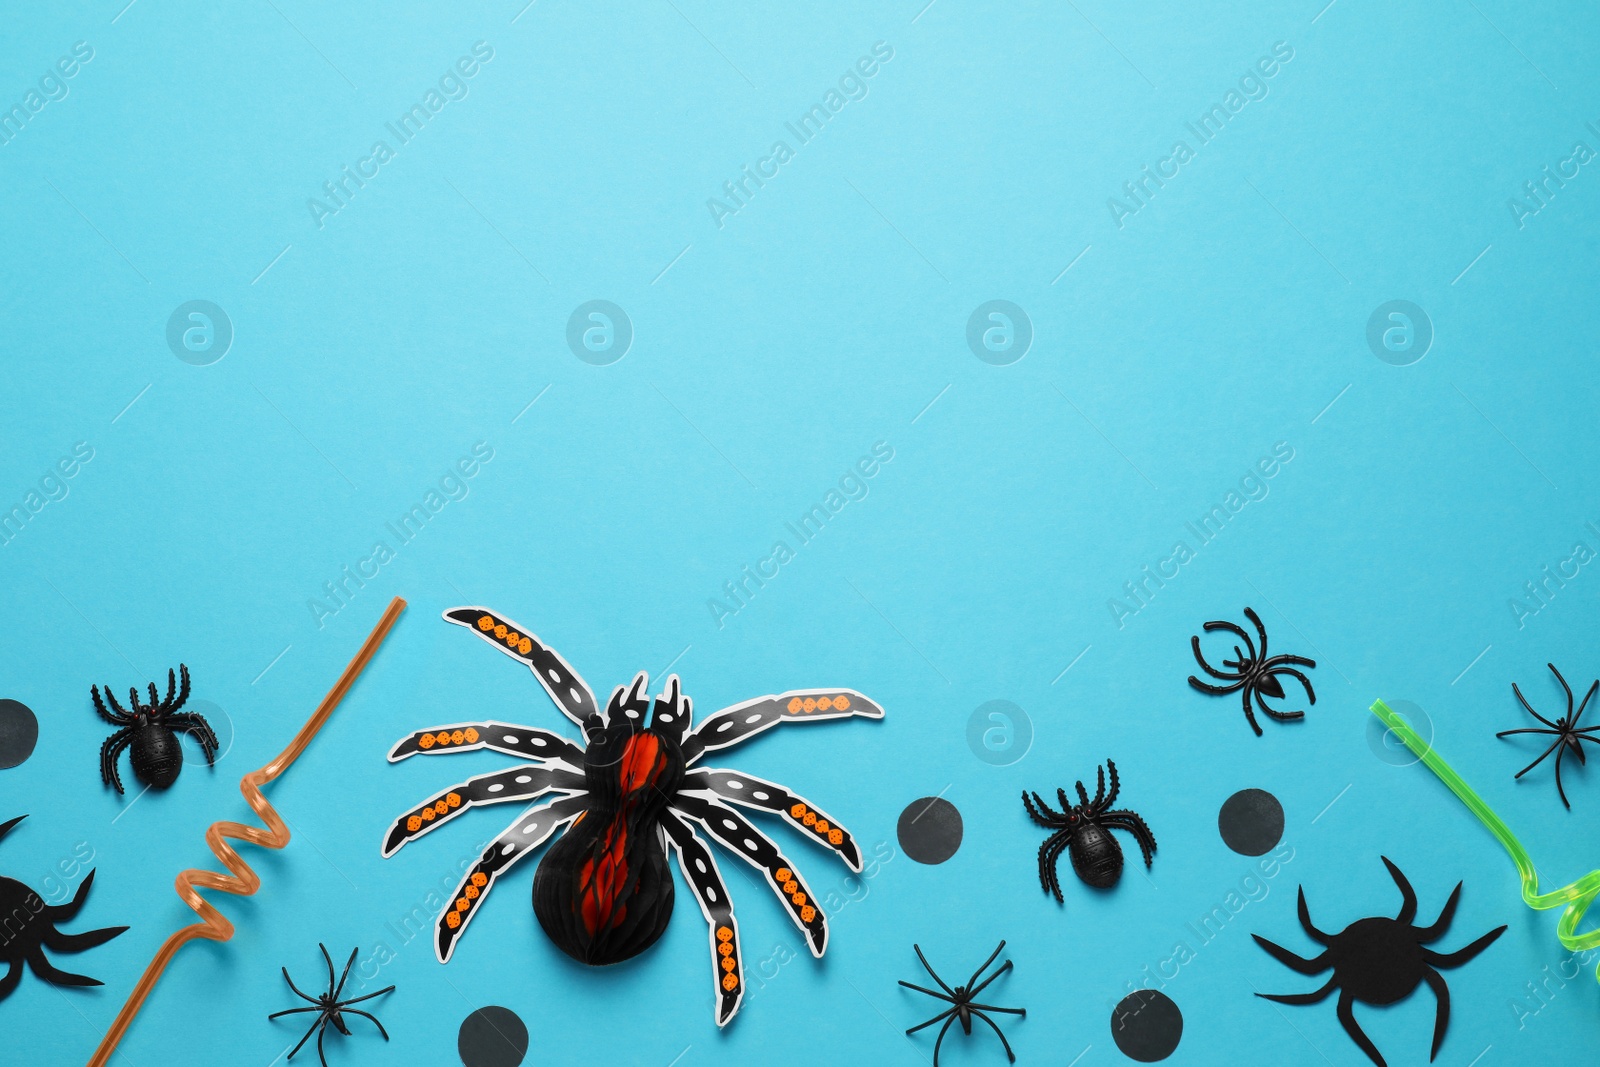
{"type": "Point", "coordinates": [215, 926]}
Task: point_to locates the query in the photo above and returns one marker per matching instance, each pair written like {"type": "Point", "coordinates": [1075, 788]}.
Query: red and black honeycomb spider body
{"type": "Point", "coordinates": [1566, 731]}
{"type": "Point", "coordinates": [1252, 673]}
{"type": "Point", "coordinates": [1083, 831]}
{"type": "Point", "coordinates": [152, 729]}
{"type": "Point", "coordinates": [1380, 961]}
{"type": "Point", "coordinates": [30, 928]}
{"type": "Point", "coordinates": [604, 892]}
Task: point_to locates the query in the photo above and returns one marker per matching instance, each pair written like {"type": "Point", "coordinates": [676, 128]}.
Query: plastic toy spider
{"type": "Point", "coordinates": [1379, 961]}
{"type": "Point", "coordinates": [604, 892]}
{"type": "Point", "coordinates": [152, 729]}
{"type": "Point", "coordinates": [1083, 830]}
{"type": "Point", "coordinates": [964, 1008]}
{"type": "Point", "coordinates": [1566, 731]}
{"type": "Point", "coordinates": [30, 928]}
{"type": "Point", "coordinates": [329, 1008]}
{"type": "Point", "coordinates": [1252, 673]}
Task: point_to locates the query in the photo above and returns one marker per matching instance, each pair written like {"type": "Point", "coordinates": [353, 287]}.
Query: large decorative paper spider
{"type": "Point", "coordinates": [1379, 961]}
{"type": "Point", "coordinates": [604, 892]}
{"type": "Point", "coordinates": [963, 1007]}
{"type": "Point", "coordinates": [152, 729]}
{"type": "Point", "coordinates": [1252, 673]}
{"type": "Point", "coordinates": [329, 1008]}
{"type": "Point", "coordinates": [1083, 831]}
{"type": "Point", "coordinates": [1566, 731]}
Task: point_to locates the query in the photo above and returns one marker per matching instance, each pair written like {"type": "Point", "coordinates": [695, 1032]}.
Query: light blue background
{"type": "Point", "coordinates": [770, 354]}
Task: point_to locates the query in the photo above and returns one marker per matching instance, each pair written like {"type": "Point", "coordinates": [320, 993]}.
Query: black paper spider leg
{"type": "Point", "coordinates": [43, 968]}
{"type": "Point", "coordinates": [673, 713]}
{"type": "Point", "coordinates": [931, 972]}
{"type": "Point", "coordinates": [629, 702]}
{"type": "Point", "coordinates": [1305, 920]}
{"type": "Point", "coordinates": [1529, 707]}
{"type": "Point", "coordinates": [516, 783]}
{"type": "Point", "coordinates": [110, 753]}
{"type": "Point", "coordinates": [1347, 1018]}
{"type": "Point", "coordinates": [565, 686]}
{"type": "Point", "coordinates": [57, 941]}
{"type": "Point", "coordinates": [739, 723]}
{"type": "Point", "coordinates": [12, 979]}
{"type": "Point", "coordinates": [1012, 1056]}
{"type": "Point", "coordinates": [749, 791]}
{"type": "Point", "coordinates": [1441, 1017]}
{"type": "Point", "coordinates": [1446, 961]}
{"type": "Point", "coordinates": [532, 829]}
{"type": "Point", "coordinates": [1408, 896]}
{"type": "Point", "coordinates": [1442, 923]}
{"type": "Point", "coordinates": [700, 870]}
{"type": "Point", "coordinates": [736, 833]}
{"type": "Point", "coordinates": [528, 742]}
{"type": "Point", "coordinates": [1135, 825]}
{"type": "Point", "coordinates": [943, 1014]}
{"type": "Point", "coordinates": [1295, 963]}
{"type": "Point", "coordinates": [1313, 997]}
{"type": "Point", "coordinates": [115, 716]}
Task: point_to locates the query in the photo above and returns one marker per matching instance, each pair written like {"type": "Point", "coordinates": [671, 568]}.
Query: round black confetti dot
{"type": "Point", "coordinates": [1251, 822]}
{"type": "Point", "coordinates": [19, 732]}
{"type": "Point", "coordinates": [492, 1037]}
{"type": "Point", "coordinates": [930, 830]}
{"type": "Point", "coordinates": [1146, 1025]}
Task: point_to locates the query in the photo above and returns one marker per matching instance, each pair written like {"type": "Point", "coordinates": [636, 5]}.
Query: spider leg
{"type": "Point", "coordinates": [1234, 629]}
{"type": "Point", "coordinates": [1214, 690]}
{"type": "Point", "coordinates": [931, 972]}
{"type": "Point", "coordinates": [1049, 853]}
{"type": "Point", "coordinates": [368, 1015]}
{"type": "Point", "coordinates": [1083, 794]}
{"type": "Point", "coordinates": [700, 870]}
{"type": "Point", "coordinates": [1534, 730]}
{"type": "Point", "coordinates": [1441, 1018]}
{"type": "Point", "coordinates": [930, 1022]}
{"type": "Point", "coordinates": [183, 690]}
{"type": "Point", "coordinates": [321, 1055]}
{"type": "Point", "coordinates": [1446, 961]}
{"type": "Point", "coordinates": [110, 753]}
{"type": "Point", "coordinates": [942, 1031]}
{"type": "Point", "coordinates": [930, 992]}
{"type": "Point", "coordinates": [62, 912]}
{"type": "Point", "coordinates": [1199, 658]}
{"type": "Point", "coordinates": [1012, 1056]}
{"type": "Point", "coordinates": [55, 976]}
{"type": "Point", "coordinates": [758, 794]}
{"type": "Point", "coordinates": [1042, 813]}
{"type": "Point", "coordinates": [317, 1026]}
{"type": "Point", "coordinates": [351, 962]}
{"type": "Point", "coordinates": [200, 730]}
{"type": "Point", "coordinates": [115, 716]}
{"type": "Point", "coordinates": [1249, 714]}
{"type": "Point", "coordinates": [524, 782]}
{"type": "Point", "coordinates": [12, 979]}
{"type": "Point", "coordinates": [1348, 1019]}
{"type": "Point", "coordinates": [974, 990]}
{"type": "Point", "coordinates": [1116, 787]}
{"type": "Point", "coordinates": [998, 949]}
{"type": "Point", "coordinates": [1131, 822]}
{"type": "Point", "coordinates": [1306, 923]}
{"type": "Point", "coordinates": [292, 1011]}
{"type": "Point", "coordinates": [1408, 896]}
{"type": "Point", "coordinates": [528, 742]}
{"type": "Point", "coordinates": [1562, 751]}
{"type": "Point", "coordinates": [1585, 702]}
{"type": "Point", "coordinates": [57, 941]}
{"type": "Point", "coordinates": [1008, 1011]}
{"type": "Point", "coordinates": [555, 675]}
{"type": "Point", "coordinates": [1442, 924]}
{"type": "Point", "coordinates": [1314, 997]}
{"type": "Point", "coordinates": [737, 724]}
{"type": "Point", "coordinates": [1311, 694]}
{"type": "Point", "coordinates": [1281, 716]}
{"type": "Point", "coordinates": [297, 990]}
{"type": "Point", "coordinates": [1295, 963]}
{"type": "Point", "coordinates": [1100, 788]}
{"type": "Point", "coordinates": [1529, 707]}
{"type": "Point", "coordinates": [532, 829]}
{"type": "Point", "coordinates": [1540, 760]}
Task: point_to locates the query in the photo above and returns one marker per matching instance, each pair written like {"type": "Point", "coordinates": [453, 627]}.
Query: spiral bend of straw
{"type": "Point", "coordinates": [1577, 896]}
{"type": "Point", "coordinates": [243, 882]}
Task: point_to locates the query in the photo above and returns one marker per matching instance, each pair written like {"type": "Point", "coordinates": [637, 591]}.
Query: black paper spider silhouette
{"type": "Point", "coordinates": [604, 891]}
{"type": "Point", "coordinates": [1379, 961]}
{"type": "Point", "coordinates": [329, 1008]}
{"type": "Point", "coordinates": [152, 729]}
{"type": "Point", "coordinates": [964, 1008]}
{"type": "Point", "coordinates": [1565, 730]}
{"type": "Point", "coordinates": [1084, 831]}
{"type": "Point", "coordinates": [30, 928]}
{"type": "Point", "coordinates": [1253, 673]}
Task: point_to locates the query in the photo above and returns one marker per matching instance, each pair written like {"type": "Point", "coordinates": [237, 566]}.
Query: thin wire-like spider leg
{"type": "Point", "coordinates": [1563, 793]}
{"type": "Point", "coordinates": [296, 988]}
{"type": "Point", "coordinates": [323, 1056]}
{"type": "Point", "coordinates": [980, 970]}
{"type": "Point", "coordinates": [1538, 730]}
{"type": "Point", "coordinates": [368, 1015]}
{"type": "Point", "coordinates": [929, 969]}
{"type": "Point", "coordinates": [1540, 760]}
{"type": "Point", "coordinates": [1529, 707]}
{"type": "Point", "coordinates": [293, 1011]}
{"type": "Point", "coordinates": [930, 992]}
{"type": "Point", "coordinates": [342, 978]}
{"type": "Point", "coordinates": [930, 1022]}
{"type": "Point", "coordinates": [942, 1031]}
{"type": "Point", "coordinates": [316, 1027]}
{"type": "Point", "coordinates": [1573, 724]}
{"type": "Point", "coordinates": [1008, 1011]}
{"type": "Point", "coordinates": [1012, 1056]}
{"type": "Point", "coordinates": [369, 996]}
{"type": "Point", "coordinates": [975, 990]}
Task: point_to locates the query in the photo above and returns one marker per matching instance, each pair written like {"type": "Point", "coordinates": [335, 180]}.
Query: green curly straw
{"type": "Point", "coordinates": [1577, 896]}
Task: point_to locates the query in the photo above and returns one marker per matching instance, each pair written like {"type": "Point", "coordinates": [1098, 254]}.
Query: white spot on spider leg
{"type": "Point", "coordinates": [510, 739]}
{"type": "Point", "coordinates": [497, 787]}
{"type": "Point", "coordinates": [751, 720]}
{"type": "Point", "coordinates": [523, 779]}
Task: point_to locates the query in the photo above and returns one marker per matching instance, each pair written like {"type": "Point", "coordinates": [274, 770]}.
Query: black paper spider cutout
{"type": "Point", "coordinates": [1083, 830]}
{"type": "Point", "coordinates": [30, 928]}
{"type": "Point", "coordinates": [1565, 730]}
{"type": "Point", "coordinates": [625, 794]}
{"type": "Point", "coordinates": [963, 1007]}
{"type": "Point", "coordinates": [1379, 961]}
{"type": "Point", "coordinates": [1253, 673]}
{"type": "Point", "coordinates": [329, 1008]}
{"type": "Point", "coordinates": [152, 729]}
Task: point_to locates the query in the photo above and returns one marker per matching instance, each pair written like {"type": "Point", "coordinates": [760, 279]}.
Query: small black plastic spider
{"type": "Point", "coordinates": [329, 1008]}
{"type": "Point", "coordinates": [152, 729]}
{"type": "Point", "coordinates": [1566, 731]}
{"type": "Point", "coordinates": [964, 1007]}
{"type": "Point", "coordinates": [1084, 831]}
{"type": "Point", "coordinates": [1253, 673]}
{"type": "Point", "coordinates": [1379, 961]}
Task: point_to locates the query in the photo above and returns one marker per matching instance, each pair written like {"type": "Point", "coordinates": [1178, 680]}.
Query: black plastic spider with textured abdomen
{"type": "Point", "coordinates": [329, 1008]}
{"type": "Point", "coordinates": [963, 1007]}
{"type": "Point", "coordinates": [1083, 831]}
{"type": "Point", "coordinates": [152, 729]}
{"type": "Point", "coordinates": [1566, 731]}
{"type": "Point", "coordinates": [1252, 673]}
{"type": "Point", "coordinates": [1380, 961]}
